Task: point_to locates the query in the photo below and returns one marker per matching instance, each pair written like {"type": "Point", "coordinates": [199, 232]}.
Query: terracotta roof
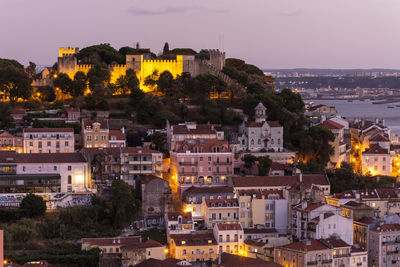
{"type": "Point", "coordinates": [208, 190]}
{"type": "Point", "coordinates": [353, 204]}
{"type": "Point", "coordinates": [274, 124]}
{"type": "Point", "coordinates": [199, 129]}
{"type": "Point", "coordinates": [218, 203]}
{"type": "Point", "coordinates": [49, 130]}
{"type": "Point", "coordinates": [5, 134]}
{"type": "Point", "coordinates": [330, 125]}
{"type": "Point", "coordinates": [357, 250]}
{"type": "Point", "coordinates": [271, 181]}
{"type": "Point", "coordinates": [279, 166]}
{"type": "Point", "coordinates": [259, 231]}
{"type": "Point", "coordinates": [328, 214]}
{"type": "Point", "coordinates": [110, 241]}
{"type": "Point", "coordinates": [367, 220]}
{"type": "Point", "coordinates": [255, 243]}
{"type": "Point", "coordinates": [253, 124]}
{"type": "Point", "coordinates": [345, 194]}
{"type": "Point", "coordinates": [194, 239]}
{"type": "Point", "coordinates": [230, 260]}
{"type": "Point", "coordinates": [387, 193]}
{"type": "Point", "coordinates": [117, 133]}
{"type": "Point", "coordinates": [387, 228]}
{"type": "Point", "coordinates": [375, 149]}
{"type": "Point", "coordinates": [149, 243]}
{"type": "Point", "coordinates": [12, 157]}
{"type": "Point", "coordinates": [336, 242]}
{"type": "Point", "coordinates": [103, 123]}
{"type": "Point", "coordinates": [259, 194]}
{"type": "Point", "coordinates": [305, 246]}
{"type": "Point", "coordinates": [379, 138]}
{"type": "Point", "coordinates": [159, 263]}
{"type": "Point", "coordinates": [186, 216]}
{"type": "Point", "coordinates": [202, 146]}
{"type": "Point", "coordinates": [229, 227]}
{"type": "Point", "coordinates": [310, 206]}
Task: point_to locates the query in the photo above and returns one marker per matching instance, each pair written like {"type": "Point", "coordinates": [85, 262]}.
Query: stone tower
{"type": "Point", "coordinates": [261, 113]}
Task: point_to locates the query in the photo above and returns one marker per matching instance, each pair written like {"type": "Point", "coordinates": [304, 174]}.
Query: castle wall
{"type": "Point", "coordinates": [116, 72]}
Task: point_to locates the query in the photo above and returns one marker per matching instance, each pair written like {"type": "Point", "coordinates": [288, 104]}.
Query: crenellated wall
{"type": "Point", "coordinates": [116, 71]}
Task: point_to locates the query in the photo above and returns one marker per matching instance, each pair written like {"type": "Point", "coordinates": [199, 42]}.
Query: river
{"type": "Point", "coordinates": [366, 110]}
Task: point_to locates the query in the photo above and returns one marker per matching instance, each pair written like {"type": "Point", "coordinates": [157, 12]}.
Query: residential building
{"type": "Point", "coordinates": [194, 247]}
{"type": "Point", "coordinates": [49, 140]}
{"type": "Point", "coordinates": [95, 133]}
{"type": "Point", "coordinates": [219, 211]}
{"type": "Point", "coordinates": [201, 162]}
{"type": "Point", "coordinates": [361, 230]}
{"type": "Point", "coordinates": [357, 210]}
{"type": "Point", "coordinates": [191, 131]}
{"type": "Point", "coordinates": [194, 196]}
{"type": "Point", "coordinates": [383, 245]}
{"type": "Point", "coordinates": [110, 244]}
{"type": "Point", "coordinates": [376, 161]}
{"type": "Point", "coordinates": [339, 147]}
{"type": "Point", "coordinates": [179, 223]}
{"type": "Point", "coordinates": [44, 173]}
{"type": "Point", "coordinates": [73, 114]}
{"type": "Point", "coordinates": [359, 257]}
{"type": "Point", "coordinates": [263, 208]}
{"type": "Point", "coordinates": [230, 237]}
{"type": "Point", "coordinates": [10, 142]}
{"type": "Point", "coordinates": [117, 138]}
{"type": "Point", "coordinates": [156, 198]}
{"type": "Point", "coordinates": [260, 134]}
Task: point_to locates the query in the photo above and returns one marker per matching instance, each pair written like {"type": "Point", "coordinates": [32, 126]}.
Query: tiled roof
{"type": "Point", "coordinates": [186, 216]}
{"type": "Point", "coordinates": [117, 133]}
{"type": "Point", "coordinates": [330, 125]}
{"type": "Point", "coordinates": [276, 166]}
{"type": "Point", "coordinates": [236, 261]}
{"type": "Point", "coordinates": [208, 190]}
{"type": "Point", "coordinates": [135, 150]}
{"type": "Point", "coordinates": [149, 243]}
{"type": "Point", "coordinates": [229, 227]}
{"type": "Point", "coordinates": [12, 157]}
{"type": "Point", "coordinates": [202, 146]}
{"type": "Point", "coordinates": [274, 124]}
{"type": "Point", "coordinates": [255, 243]}
{"type": "Point", "coordinates": [387, 192]}
{"type": "Point", "coordinates": [357, 250]}
{"type": "Point", "coordinates": [5, 134]}
{"type": "Point", "coordinates": [305, 246]}
{"type": "Point", "coordinates": [259, 194]}
{"type": "Point", "coordinates": [103, 123]}
{"type": "Point", "coordinates": [259, 231]}
{"type": "Point", "coordinates": [253, 124]}
{"type": "Point", "coordinates": [336, 242]}
{"type": "Point", "coordinates": [387, 228]}
{"type": "Point", "coordinates": [194, 239]}
{"type": "Point", "coordinates": [48, 130]}
{"type": "Point", "coordinates": [375, 149]}
{"type": "Point", "coordinates": [200, 129]}
{"type": "Point", "coordinates": [310, 206]}
{"type": "Point", "coordinates": [112, 241]}
{"type": "Point", "coordinates": [260, 181]}
{"type": "Point", "coordinates": [379, 138]}
{"type": "Point", "coordinates": [215, 203]}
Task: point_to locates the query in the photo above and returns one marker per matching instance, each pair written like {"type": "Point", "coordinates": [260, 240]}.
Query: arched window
{"type": "Point", "coordinates": [252, 142]}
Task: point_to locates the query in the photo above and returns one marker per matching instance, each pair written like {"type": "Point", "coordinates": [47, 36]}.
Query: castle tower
{"type": "Point", "coordinates": [67, 61]}
{"type": "Point", "coordinates": [261, 113]}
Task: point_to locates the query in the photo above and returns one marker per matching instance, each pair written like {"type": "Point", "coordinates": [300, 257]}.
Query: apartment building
{"type": "Point", "coordinates": [229, 237]}
{"type": "Point", "coordinates": [178, 223]}
{"type": "Point", "coordinates": [95, 133]}
{"type": "Point", "coordinates": [194, 247]}
{"type": "Point", "coordinates": [263, 208]}
{"type": "Point", "coordinates": [201, 163]}
{"type": "Point", "coordinates": [10, 142]}
{"type": "Point", "coordinates": [117, 138]}
{"type": "Point", "coordinates": [376, 161]}
{"type": "Point", "coordinates": [384, 246]}
{"type": "Point", "coordinates": [49, 140]}
{"type": "Point", "coordinates": [194, 196]}
{"type": "Point", "coordinates": [361, 230]}
{"type": "Point", "coordinates": [219, 211]}
{"type": "Point", "coordinates": [44, 173]}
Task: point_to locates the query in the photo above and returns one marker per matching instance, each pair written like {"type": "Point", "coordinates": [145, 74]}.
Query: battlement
{"type": "Point", "coordinates": [160, 61]}
{"type": "Point", "coordinates": [67, 51]}
{"type": "Point", "coordinates": [117, 66]}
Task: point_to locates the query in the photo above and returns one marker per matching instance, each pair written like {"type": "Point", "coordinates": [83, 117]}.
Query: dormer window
{"type": "Point", "coordinates": [219, 204]}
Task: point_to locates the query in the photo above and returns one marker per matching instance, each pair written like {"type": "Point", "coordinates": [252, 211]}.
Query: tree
{"type": "Point", "coordinates": [15, 83]}
{"type": "Point", "coordinates": [6, 120]}
{"type": "Point", "coordinates": [64, 83]}
{"type": "Point", "coordinates": [159, 139]}
{"type": "Point", "coordinates": [31, 70]}
{"type": "Point", "coordinates": [99, 74]}
{"type": "Point", "coordinates": [128, 82]}
{"type": "Point", "coordinates": [122, 203]}
{"type": "Point", "coordinates": [165, 82]}
{"type": "Point", "coordinates": [79, 84]}
{"type": "Point", "coordinates": [102, 53]}
{"type": "Point", "coordinates": [10, 62]}
{"type": "Point", "coordinates": [33, 205]}
{"type": "Point", "coordinates": [264, 165]}
{"type": "Point", "coordinates": [166, 49]}
{"type": "Point", "coordinates": [151, 80]}
{"type": "Point", "coordinates": [46, 94]}
{"type": "Point", "coordinates": [249, 161]}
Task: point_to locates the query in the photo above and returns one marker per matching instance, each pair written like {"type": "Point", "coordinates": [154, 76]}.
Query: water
{"type": "Point", "coordinates": [367, 110]}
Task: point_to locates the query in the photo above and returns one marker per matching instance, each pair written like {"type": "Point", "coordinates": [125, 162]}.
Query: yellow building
{"type": "Point", "coordinates": [219, 211]}
{"type": "Point", "coordinates": [194, 247]}
{"type": "Point", "coordinates": [95, 133]}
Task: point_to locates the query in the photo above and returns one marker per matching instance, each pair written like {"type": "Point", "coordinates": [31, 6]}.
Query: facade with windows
{"type": "Point", "coordinates": [229, 237]}
{"type": "Point", "coordinates": [44, 173]}
{"type": "Point", "coordinates": [384, 245]}
{"type": "Point", "coordinates": [201, 163]}
{"type": "Point", "coordinates": [95, 133]}
{"type": "Point", "coordinates": [376, 161]}
{"type": "Point", "coordinates": [49, 140]}
{"type": "Point", "coordinates": [219, 211]}
{"type": "Point", "coordinates": [10, 142]}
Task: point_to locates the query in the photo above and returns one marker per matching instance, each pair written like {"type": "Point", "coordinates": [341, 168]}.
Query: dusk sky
{"type": "Point", "coordinates": [267, 33]}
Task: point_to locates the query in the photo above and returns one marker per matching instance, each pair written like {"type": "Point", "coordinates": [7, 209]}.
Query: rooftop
{"type": "Point", "coordinates": [275, 181]}
{"type": "Point", "coordinates": [202, 146]}
{"type": "Point", "coordinates": [305, 246]}
{"type": "Point", "coordinates": [194, 239]}
{"type": "Point", "coordinates": [330, 125]}
{"type": "Point", "coordinates": [193, 129]}
{"type": "Point", "coordinates": [375, 149]}
{"type": "Point", "coordinates": [186, 216]}
{"type": "Point", "coordinates": [48, 130]}
{"type": "Point", "coordinates": [230, 260]}
{"type": "Point", "coordinates": [229, 227]}
{"type": "Point", "coordinates": [387, 228]}
{"type": "Point", "coordinates": [208, 190]}
{"type": "Point", "coordinates": [12, 157]}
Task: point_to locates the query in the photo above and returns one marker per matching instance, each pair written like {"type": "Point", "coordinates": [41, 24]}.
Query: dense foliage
{"type": "Point", "coordinates": [33, 205]}
{"type": "Point", "coordinates": [15, 83]}
{"type": "Point", "coordinates": [102, 53]}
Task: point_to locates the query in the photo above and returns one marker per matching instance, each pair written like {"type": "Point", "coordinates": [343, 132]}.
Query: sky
{"type": "Point", "coordinates": [267, 33]}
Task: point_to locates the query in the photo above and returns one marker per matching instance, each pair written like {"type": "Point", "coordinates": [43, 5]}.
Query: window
{"type": "Point", "coordinates": [69, 179]}
{"type": "Point", "coordinates": [23, 168]}
{"type": "Point", "coordinates": [48, 143]}
{"type": "Point", "coordinates": [209, 159]}
{"type": "Point", "coordinates": [252, 142]}
{"type": "Point", "coordinates": [55, 168]}
{"type": "Point", "coordinates": [149, 254]}
{"type": "Point", "coordinates": [184, 252]}
{"type": "Point", "coordinates": [66, 143]}
{"type": "Point", "coordinates": [201, 158]}
{"type": "Point", "coordinates": [69, 167]}
{"type": "Point", "coordinates": [111, 250]}
{"type": "Point", "coordinates": [89, 138]}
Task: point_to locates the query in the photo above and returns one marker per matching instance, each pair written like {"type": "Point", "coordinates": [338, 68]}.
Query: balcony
{"type": "Point", "coordinates": [222, 163]}
{"type": "Point", "coordinates": [360, 263]}
{"type": "Point", "coordinates": [192, 163]}
{"type": "Point", "coordinates": [341, 255]}
{"type": "Point", "coordinates": [392, 252]}
{"type": "Point", "coordinates": [327, 261]}
{"type": "Point", "coordinates": [222, 172]}
{"type": "Point", "coordinates": [188, 173]}
{"type": "Point", "coordinates": [312, 263]}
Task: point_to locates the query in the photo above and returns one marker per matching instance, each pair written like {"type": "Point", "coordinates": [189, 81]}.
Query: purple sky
{"type": "Point", "coordinates": [268, 33]}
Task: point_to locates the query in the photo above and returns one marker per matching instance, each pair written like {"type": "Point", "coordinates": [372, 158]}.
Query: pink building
{"type": "Point", "coordinates": [201, 162]}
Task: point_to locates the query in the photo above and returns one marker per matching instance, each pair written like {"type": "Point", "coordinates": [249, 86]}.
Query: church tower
{"type": "Point", "coordinates": [261, 113]}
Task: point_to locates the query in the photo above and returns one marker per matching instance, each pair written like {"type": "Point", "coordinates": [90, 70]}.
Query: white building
{"type": "Point", "coordinates": [44, 173]}
{"type": "Point", "coordinates": [178, 223]}
{"type": "Point", "coordinates": [384, 246]}
{"type": "Point", "coordinates": [49, 140]}
{"type": "Point", "coordinates": [117, 138]}
{"type": "Point", "coordinates": [229, 237]}
{"type": "Point", "coordinates": [377, 161]}
{"type": "Point", "coordinates": [260, 134]}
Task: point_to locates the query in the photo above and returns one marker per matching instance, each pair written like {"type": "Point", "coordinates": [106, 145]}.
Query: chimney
{"type": "Point", "coordinates": [301, 177]}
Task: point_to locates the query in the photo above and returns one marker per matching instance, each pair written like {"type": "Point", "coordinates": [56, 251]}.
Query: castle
{"type": "Point", "coordinates": [144, 66]}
